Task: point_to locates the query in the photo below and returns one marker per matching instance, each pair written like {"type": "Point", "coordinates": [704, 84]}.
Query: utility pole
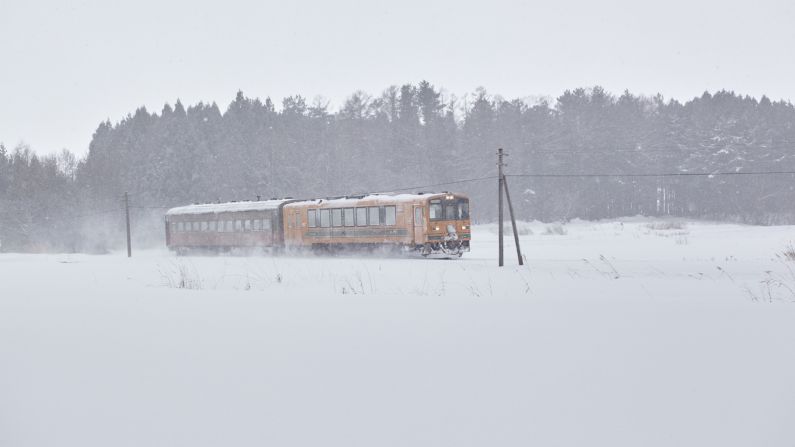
{"type": "Point", "coordinates": [127, 216]}
{"type": "Point", "coordinates": [513, 220]}
{"type": "Point", "coordinates": [500, 180]}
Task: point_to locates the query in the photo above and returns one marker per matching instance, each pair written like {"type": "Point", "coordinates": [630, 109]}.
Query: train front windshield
{"type": "Point", "coordinates": [449, 209]}
{"type": "Point", "coordinates": [463, 209]}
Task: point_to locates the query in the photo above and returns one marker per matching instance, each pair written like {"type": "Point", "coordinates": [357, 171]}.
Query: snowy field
{"type": "Point", "coordinates": [633, 333]}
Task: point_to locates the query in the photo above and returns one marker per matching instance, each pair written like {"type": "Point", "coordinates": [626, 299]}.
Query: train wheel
{"type": "Point", "coordinates": [426, 250]}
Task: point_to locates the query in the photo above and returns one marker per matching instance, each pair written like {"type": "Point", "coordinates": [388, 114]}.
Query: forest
{"type": "Point", "coordinates": [586, 154]}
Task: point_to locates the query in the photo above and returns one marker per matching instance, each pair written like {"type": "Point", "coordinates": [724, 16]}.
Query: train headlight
{"type": "Point", "coordinates": [463, 227]}
{"type": "Point", "coordinates": [436, 228]}
{"type": "Point", "coordinates": [450, 197]}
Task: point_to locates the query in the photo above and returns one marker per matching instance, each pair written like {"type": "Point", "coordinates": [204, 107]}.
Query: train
{"type": "Point", "coordinates": [427, 224]}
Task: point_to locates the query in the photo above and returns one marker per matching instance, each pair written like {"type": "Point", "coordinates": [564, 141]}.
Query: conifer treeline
{"type": "Point", "coordinates": [412, 136]}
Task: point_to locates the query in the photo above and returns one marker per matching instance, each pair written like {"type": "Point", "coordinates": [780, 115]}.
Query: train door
{"type": "Point", "coordinates": [419, 224]}
{"type": "Point", "coordinates": [298, 234]}
{"type": "Point", "coordinates": [292, 232]}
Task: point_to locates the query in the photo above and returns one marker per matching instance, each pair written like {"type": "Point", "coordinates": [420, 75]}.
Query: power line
{"type": "Point", "coordinates": [662, 174]}
{"type": "Point", "coordinates": [417, 187]}
{"type": "Point", "coordinates": [455, 182]}
{"type": "Point", "coordinates": [82, 216]}
{"type": "Point", "coordinates": [562, 175]}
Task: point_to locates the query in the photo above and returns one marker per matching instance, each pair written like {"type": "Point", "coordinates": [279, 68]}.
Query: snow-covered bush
{"type": "Point", "coordinates": [666, 225]}
{"type": "Point", "coordinates": [555, 229]}
{"type": "Point", "coordinates": [789, 252]}
{"type": "Point", "coordinates": [182, 276]}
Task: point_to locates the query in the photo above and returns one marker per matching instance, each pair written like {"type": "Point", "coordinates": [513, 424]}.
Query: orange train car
{"type": "Point", "coordinates": [431, 224]}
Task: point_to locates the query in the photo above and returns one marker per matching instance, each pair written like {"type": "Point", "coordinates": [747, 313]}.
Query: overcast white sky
{"type": "Point", "coordinates": [66, 66]}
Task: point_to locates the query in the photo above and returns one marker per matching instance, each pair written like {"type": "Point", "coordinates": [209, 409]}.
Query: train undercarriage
{"type": "Point", "coordinates": [443, 249]}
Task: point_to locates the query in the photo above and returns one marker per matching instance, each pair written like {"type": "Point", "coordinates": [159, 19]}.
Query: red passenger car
{"type": "Point", "coordinates": [226, 226]}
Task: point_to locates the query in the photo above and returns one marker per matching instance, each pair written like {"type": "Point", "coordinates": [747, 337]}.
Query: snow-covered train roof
{"type": "Point", "coordinates": [208, 208]}
{"type": "Point", "coordinates": [376, 198]}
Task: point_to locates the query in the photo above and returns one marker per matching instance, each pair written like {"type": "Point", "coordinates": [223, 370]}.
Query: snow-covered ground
{"type": "Point", "coordinates": [633, 333]}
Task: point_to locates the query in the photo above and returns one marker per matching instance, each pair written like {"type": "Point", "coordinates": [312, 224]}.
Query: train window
{"type": "Point", "coordinates": [204, 225]}
{"type": "Point", "coordinates": [348, 215]}
{"type": "Point", "coordinates": [463, 209]}
{"type": "Point", "coordinates": [435, 210]}
{"type": "Point", "coordinates": [374, 215]}
{"type": "Point", "coordinates": [229, 226]}
{"type": "Point", "coordinates": [361, 217]}
{"type": "Point", "coordinates": [180, 226]}
{"type": "Point", "coordinates": [311, 218]}
{"type": "Point", "coordinates": [336, 217]}
{"type": "Point", "coordinates": [219, 226]}
{"type": "Point", "coordinates": [247, 224]}
{"type": "Point", "coordinates": [211, 225]}
{"type": "Point", "coordinates": [325, 218]}
{"type": "Point", "coordinates": [390, 217]}
{"type": "Point", "coordinates": [418, 216]}
{"type": "Point", "coordinates": [256, 225]}
{"type": "Point", "coordinates": [297, 219]}
{"type": "Point", "coordinates": [238, 225]}
{"type": "Point", "coordinates": [266, 224]}
{"type": "Point", "coordinates": [449, 210]}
